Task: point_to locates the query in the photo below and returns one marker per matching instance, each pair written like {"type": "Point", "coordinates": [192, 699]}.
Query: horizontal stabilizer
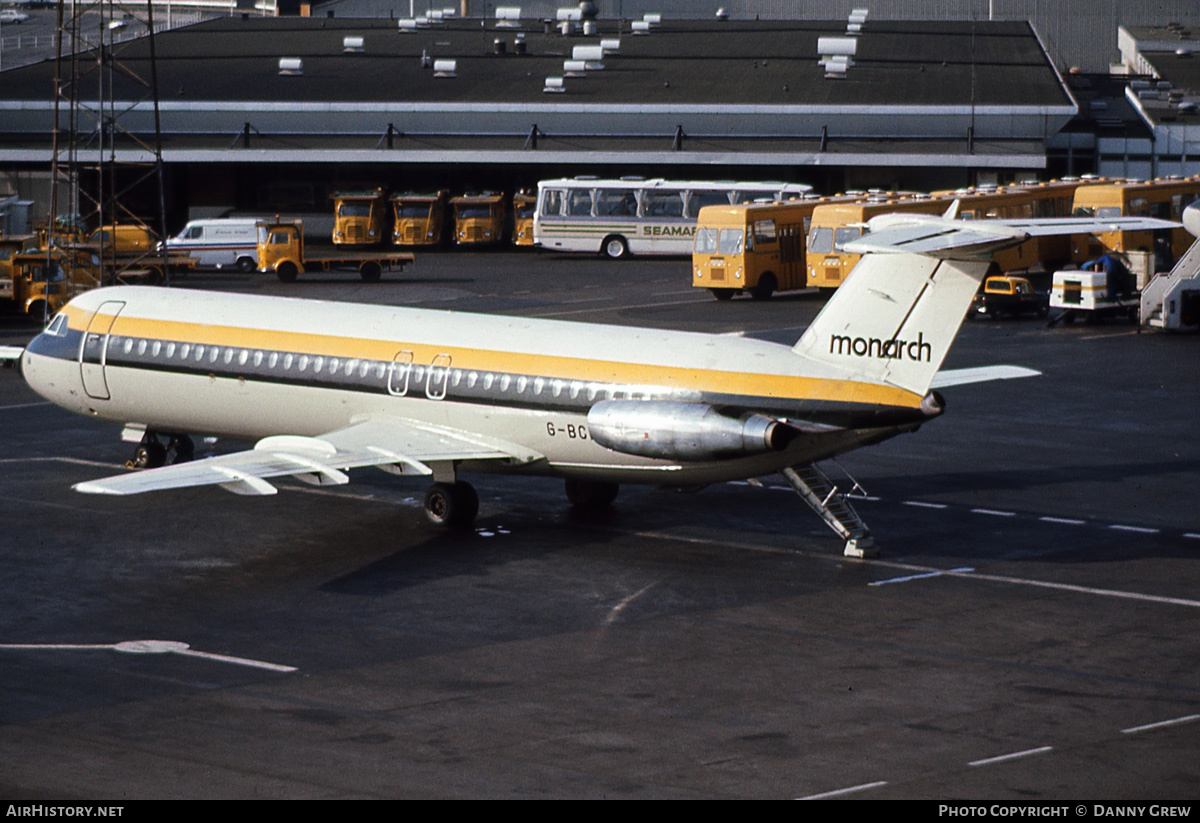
{"type": "Point", "coordinates": [980, 374]}
{"type": "Point", "coordinates": [968, 239]}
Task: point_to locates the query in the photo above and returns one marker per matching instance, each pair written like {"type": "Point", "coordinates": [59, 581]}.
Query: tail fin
{"type": "Point", "coordinates": [892, 321]}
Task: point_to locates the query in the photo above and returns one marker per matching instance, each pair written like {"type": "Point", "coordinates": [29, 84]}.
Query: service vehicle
{"type": "Point", "coordinates": [524, 208]}
{"type": "Point", "coordinates": [1087, 294]}
{"type": "Point", "coordinates": [756, 248]}
{"type": "Point", "coordinates": [13, 16]}
{"type": "Point", "coordinates": [1165, 198]}
{"type": "Point", "coordinates": [37, 283]}
{"type": "Point", "coordinates": [227, 242]}
{"type": "Point", "coordinates": [637, 216]}
{"type": "Point", "coordinates": [837, 224]}
{"type": "Point", "coordinates": [359, 217]}
{"type": "Point", "coordinates": [419, 218]}
{"type": "Point", "coordinates": [124, 237]}
{"type": "Point", "coordinates": [281, 249]}
{"type": "Point", "coordinates": [131, 253]}
{"type": "Point", "coordinates": [480, 218]}
{"type": "Point", "coordinates": [1008, 294]}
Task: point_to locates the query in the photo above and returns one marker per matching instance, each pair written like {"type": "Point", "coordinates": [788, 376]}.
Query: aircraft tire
{"type": "Point", "coordinates": [149, 454]}
{"type": "Point", "coordinates": [591, 494]}
{"type": "Point", "coordinates": [452, 505]}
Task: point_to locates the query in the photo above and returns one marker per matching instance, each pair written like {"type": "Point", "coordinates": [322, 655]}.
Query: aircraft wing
{"type": "Point", "coordinates": [946, 237]}
{"type": "Point", "coordinates": [397, 445]}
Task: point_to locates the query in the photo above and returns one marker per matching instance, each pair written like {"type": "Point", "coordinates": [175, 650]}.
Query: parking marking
{"type": "Point", "coordinates": [837, 792]}
{"type": "Point", "coordinates": [151, 647]}
{"type": "Point", "coordinates": [922, 504]}
{"type": "Point", "coordinates": [905, 579]}
{"type": "Point", "coordinates": [1138, 529]}
{"type": "Point", "coordinates": [1161, 724]}
{"type": "Point", "coordinates": [1067, 521]}
{"type": "Point", "coordinates": [993, 512]}
{"type": "Point", "coordinates": [987, 761]}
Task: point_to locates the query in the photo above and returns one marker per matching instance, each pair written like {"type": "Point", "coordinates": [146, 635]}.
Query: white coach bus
{"type": "Point", "coordinates": [636, 216]}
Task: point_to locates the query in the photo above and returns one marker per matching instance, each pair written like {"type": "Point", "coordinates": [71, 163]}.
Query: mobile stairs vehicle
{"type": "Point", "coordinates": [1171, 300]}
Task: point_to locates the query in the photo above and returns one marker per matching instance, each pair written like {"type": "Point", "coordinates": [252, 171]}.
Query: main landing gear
{"type": "Point", "coordinates": [152, 453]}
{"type": "Point", "coordinates": [455, 504]}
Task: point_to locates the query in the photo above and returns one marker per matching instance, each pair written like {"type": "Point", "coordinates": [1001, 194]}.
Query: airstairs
{"type": "Point", "coordinates": [833, 506]}
{"type": "Point", "coordinates": [1171, 301]}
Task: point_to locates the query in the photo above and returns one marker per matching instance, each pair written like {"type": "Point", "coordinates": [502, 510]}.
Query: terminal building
{"type": "Point", "coordinates": [260, 113]}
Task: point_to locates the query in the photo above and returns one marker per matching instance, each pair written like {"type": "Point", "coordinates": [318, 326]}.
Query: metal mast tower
{"type": "Point", "coordinates": [107, 148]}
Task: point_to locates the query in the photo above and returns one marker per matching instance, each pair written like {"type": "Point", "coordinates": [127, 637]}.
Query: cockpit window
{"type": "Point", "coordinates": [58, 326]}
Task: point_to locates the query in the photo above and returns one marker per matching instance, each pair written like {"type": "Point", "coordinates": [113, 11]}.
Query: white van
{"type": "Point", "coordinates": [219, 242]}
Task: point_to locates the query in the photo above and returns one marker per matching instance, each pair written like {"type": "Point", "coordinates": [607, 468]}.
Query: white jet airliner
{"type": "Point", "coordinates": [326, 387]}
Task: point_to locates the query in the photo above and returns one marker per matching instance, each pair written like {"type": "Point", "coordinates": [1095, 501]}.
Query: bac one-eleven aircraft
{"type": "Point", "coordinates": [327, 387]}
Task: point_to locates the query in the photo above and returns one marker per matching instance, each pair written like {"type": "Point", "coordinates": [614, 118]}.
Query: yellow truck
{"type": "Point", "coordinates": [38, 283]}
{"type": "Point", "coordinates": [281, 249]}
{"type": "Point", "coordinates": [359, 217]}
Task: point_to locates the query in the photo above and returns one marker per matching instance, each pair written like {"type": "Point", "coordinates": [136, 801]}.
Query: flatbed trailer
{"type": "Point", "coordinates": [281, 249]}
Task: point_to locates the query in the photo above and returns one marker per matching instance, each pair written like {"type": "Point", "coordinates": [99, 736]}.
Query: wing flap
{"type": "Point", "coordinates": [398, 445]}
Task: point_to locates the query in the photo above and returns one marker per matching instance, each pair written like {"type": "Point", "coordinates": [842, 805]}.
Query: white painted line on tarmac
{"type": "Point", "coordinates": [993, 512]}
{"type": "Point", "coordinates": [25, 405]}
{"type": "Point", "coordinates": [151, 647]}
{"type": "Point", "coordinates": [1068, 521]}
{"type": "Point", "coordinates": [922, 504]}
{"type": "Point", "coordinates": [619, 308]}
{"type": "Point", "coordinates": [962, 570]}
{"type": "Point", "coordinates": [1002, 758]}
{"type": "Point", "coordinates": [1138, 529]}
{"type": "Point", "coordinates": [1193, 535]}
{"type": "Point", "coordinates": [1161, 724]}
{"type": "Point", "coordinates": [850, 790]}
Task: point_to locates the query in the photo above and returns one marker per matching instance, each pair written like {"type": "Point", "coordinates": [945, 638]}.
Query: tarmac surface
{"type": "Point", "coordinates": [1029, 633]}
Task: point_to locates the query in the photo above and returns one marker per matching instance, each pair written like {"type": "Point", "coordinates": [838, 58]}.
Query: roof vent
{"type": "Point", "coordinates": [836, 53]}
{"type": "Point", "coordinates": [574, 15]}
{"type": "Point", "coordinates": [592, 55]}
{"type": "Point", "coordinates": [508, 17]}
{"type": "Point", "coordinates": [574, 68]}
{"type": "Point", "coordinates": [554, 85]}
{"type": "Point", "coordinates": [611, 45]}
{"type": "Point", "coordinates": [519, 46]}
{"type": "Point", "coordinates": [291, 67]}
{"type": "Point", "coordinates": [836, 67]}
{"type": "Point", "coordinates": [411, 24]}
{"type": "Point", "coordinates": [653, 19]}
{"type": "Point", "coordinates": [352, 45]}
{"type": "Point", "coordinates": [639, 27]}
{"type": "Point", "coordinates": [722, 14]}
{"type": "Point", "coordinates": [435, 17]}
{"type": "Point", "coordinates": [589, 28]}
{"type": "Point", "coordinates": [859, 16]}
{"type": "Point", "coordinates": [449, 12]}
{"type": "Point", "coordinates": [445, 68]}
